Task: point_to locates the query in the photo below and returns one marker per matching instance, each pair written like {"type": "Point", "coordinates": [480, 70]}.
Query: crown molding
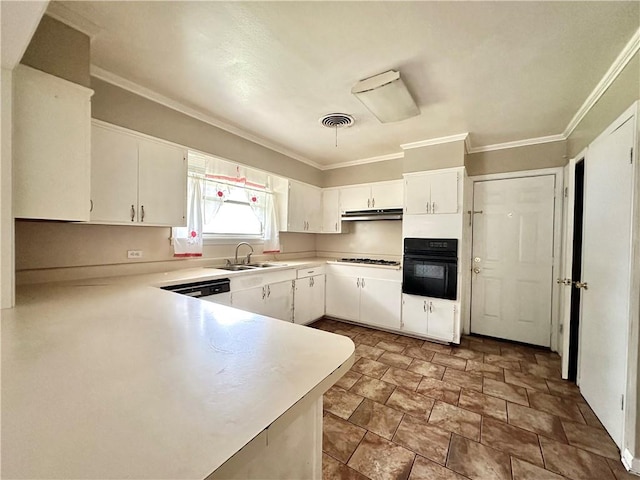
{"type": "Point", "coordinates": [73, 19]}
{"type": "Point", "coordinates": [363, 161]}
{"type": "Point", "coordinates": [518, 143]}
{"type": "Point", "coordinates": [621, 61]}
{"type": "Point", "coordinates": [133, 87]}
{"type": "Point", "coordinates": [436, 141]}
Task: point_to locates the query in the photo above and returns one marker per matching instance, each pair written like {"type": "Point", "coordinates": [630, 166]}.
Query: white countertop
{"type": "Point", "coordinates": [115, 378]}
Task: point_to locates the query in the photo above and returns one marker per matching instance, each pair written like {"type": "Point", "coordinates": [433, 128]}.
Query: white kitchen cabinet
{"type": "Point", "coordinates": [372, 196]}
{"type": "Point", "coordinates": [136, 180]}
{"type": "Point", "coordinates": [309, 299]}
{"type": "Point", "coordinates": [367, 295]}
{"type": "Point", "coordinates": [51, 147]}
{"type": "Point", "coordinates": [302, 210]}
{"type": "Point", "coordinates": [279, 300]}
{"type": "Point", "coordinates": [331, 218]}
{"type": "Point", "coordinates": [431, 317]}
{"type": "Point", "coordinates": [269, 294]}
{"type": "Point", "coordinates": [250, 300]}
{"type": "Point", "coordinates": [431, 192]}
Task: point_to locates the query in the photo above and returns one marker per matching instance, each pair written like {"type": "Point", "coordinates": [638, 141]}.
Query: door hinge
{"type": "Point", "coordinates": [622, 402]}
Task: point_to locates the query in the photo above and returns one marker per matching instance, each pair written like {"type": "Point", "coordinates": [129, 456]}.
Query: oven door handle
{"type": "Point", "coordinates": [423, 258]}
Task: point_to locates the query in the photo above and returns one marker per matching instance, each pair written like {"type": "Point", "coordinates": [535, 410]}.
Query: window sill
{"type": "Point", "coordinates": [209, 239]}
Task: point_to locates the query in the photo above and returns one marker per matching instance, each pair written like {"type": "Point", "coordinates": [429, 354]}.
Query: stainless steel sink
{"type": "Point", "coordinates": [266, 265]}
{"type": "Point", "coordinates": [236, 268]}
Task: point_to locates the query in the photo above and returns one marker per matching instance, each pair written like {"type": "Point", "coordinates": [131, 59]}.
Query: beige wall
{"type": "Point", "coordinates": [530, 157]}
{"type": "Point", "coordinates": [59, 50]}
{"type": "Point", "coordinates": [382, 238]}
{"type": "Point", "coordinates": [434, 157]}
{"type": "Point", "coordinates": [369, 172]}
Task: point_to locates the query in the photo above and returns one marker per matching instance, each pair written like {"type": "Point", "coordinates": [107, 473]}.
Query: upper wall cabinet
{"type": "Point", "coordinates": [300, 206]}
{"type": "Point", "coordinates": [372, 196]}
{"type": "Point", "coordinates": [435, 192]}
{"type": "Point", "coordinates": [136, 180]}
{"type": "Point", "coordinates": [331, 221]}
{"type": "Point", "coordinates": [51, 147]}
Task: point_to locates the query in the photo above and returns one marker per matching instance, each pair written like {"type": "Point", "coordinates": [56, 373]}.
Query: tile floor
{"type": "Point", "coordinates": [410, 409]}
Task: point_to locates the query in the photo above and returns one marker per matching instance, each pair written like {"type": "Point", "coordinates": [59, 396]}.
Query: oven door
{"type": "Point", "coordinates": [435, 277]}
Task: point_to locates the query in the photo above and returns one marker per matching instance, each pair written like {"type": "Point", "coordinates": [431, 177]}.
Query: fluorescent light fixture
{"type": "Point", "coordinates": [386, 96]}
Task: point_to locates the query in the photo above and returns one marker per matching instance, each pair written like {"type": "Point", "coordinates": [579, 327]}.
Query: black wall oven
{"type": "Point", "coordinates": [430, 267]}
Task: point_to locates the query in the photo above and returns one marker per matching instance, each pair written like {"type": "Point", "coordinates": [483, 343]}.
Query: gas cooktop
{"type": "Point", "coordinates": [369, 261]}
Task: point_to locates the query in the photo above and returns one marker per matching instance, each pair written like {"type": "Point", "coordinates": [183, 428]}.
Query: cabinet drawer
{"type": "Point", "coordinates": [310, 271]}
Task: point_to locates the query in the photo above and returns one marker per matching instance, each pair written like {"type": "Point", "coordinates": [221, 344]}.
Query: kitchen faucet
{"type": "Point", "coordinates": [248, 254]}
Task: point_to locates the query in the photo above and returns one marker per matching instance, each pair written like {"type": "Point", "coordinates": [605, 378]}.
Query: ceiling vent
{"type": "Point", "coordinates": [337, 120]}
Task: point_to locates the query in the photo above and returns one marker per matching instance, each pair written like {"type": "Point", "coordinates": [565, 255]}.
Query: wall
{"type": "Point", "coordinates": [434, 157]}
{"type": "Point", "coordinates": [529, 157]}
{"type": "Point", "coordinates": [368, 172]}
{"type": "Point", "coordinates": [377, 239]}
{"type": "Point", "coordinates": [6, 213]}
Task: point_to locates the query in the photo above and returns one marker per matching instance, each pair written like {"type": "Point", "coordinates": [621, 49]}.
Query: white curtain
{"type": "Point", "coordinates": [271, 230]}
{"type": "Point", "coordinates": [187, 241]}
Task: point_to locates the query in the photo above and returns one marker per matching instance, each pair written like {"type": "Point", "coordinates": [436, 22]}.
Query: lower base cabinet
{"type": "Point", "coordinates": [272, 300]}
{"type": "Point", "coordinates": [308, 299]}
{"type": "Point", "coordinates": [431, 317]}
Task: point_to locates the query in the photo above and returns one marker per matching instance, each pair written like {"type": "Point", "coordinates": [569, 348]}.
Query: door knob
{"type": "Point", "coordinates": [584, 285]}
{"type": "Point", "coordinates": [476, 270]}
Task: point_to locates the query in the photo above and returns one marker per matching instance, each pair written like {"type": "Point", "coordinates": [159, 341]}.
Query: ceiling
{"type": "Point", "coordinates": [502, 71]}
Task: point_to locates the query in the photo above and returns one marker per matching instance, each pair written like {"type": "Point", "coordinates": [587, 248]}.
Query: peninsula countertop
{"type": "Point", "coordinates": [116, 378]}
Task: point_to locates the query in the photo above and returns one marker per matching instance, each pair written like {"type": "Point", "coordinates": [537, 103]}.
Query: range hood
{"type": "Point", "coordinates": [368, 215]}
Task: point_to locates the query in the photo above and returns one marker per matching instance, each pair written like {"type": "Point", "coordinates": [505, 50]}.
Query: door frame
{"type": "Point", "coordinates": [558, 173]}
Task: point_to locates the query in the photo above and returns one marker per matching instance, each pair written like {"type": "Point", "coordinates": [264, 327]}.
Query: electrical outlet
{"type": "Point", "coordinates": [134, 254]}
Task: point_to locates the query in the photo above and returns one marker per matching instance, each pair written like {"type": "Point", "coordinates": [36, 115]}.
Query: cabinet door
{"type": "Point", "coordinates": [313, 208]}
{"type": "Point", "coordinates": [417, 194]}
{"type": "Point", "coordinates": [279, 300]}
{"type": "Point", "coordinates": [162, 184]}
{"type": "Point", "coordinates": [251, 300]}
{"type": "Point", "coordinates": [387, 195]}
{"type": "Point", "coordinates": [380, 302]}
{"type": "Point", "coordinates": [296, 221]}
{"type": "Point", "coordinates": [444, 192]}
{"type": "Point", "coordinates": [343, 297]}
{"type": "Point", "coordinates": [51, 147]}
{"type": "Point", "coordinates": [355, 198]}
{"type": "Point", "coordinates": [331, 222]}
{"type": "Point", "coordinates": [114, 176]}
{"type": "Point", "coordinates": [302, 301]}
{"type": "Point", "coordinates": [441, 321]}
{"type": "Point", "coordinates": [317, 297]}
{"type": "Point", "coordinates": [414, 314]}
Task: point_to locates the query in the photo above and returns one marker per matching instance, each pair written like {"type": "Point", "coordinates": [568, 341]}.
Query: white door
{"type": "Point", "coordinates": [442, 319]}
{"type": "Point", "coordinates": [251, 300]}
{"type": "Point", "coordinates": [387, 194]}
{"type": "Point", "coordinates": [313, 208]}
{"type": "Point", "coordinates": [414, 314]}
{"type": "Point", "coordinates": [317, 297]}
{"type": "Point", "coordinates": [380, 302]}
{"type": "Point", "coordinates": [417, 194]}
{"type": "Point", "coordinates": [604, 321]}
{"type": "Point", "coordinates": [343, 297]}
{"type": "Point", "coordinates": [303, 298]}
{"type": "Point", "coordinates": [297, 221]}
{"type": "Point", "coordinates": [513, 259]}
{"type": "Point", "coordinates": [444, 192]}
{"type": "Point", "coordinates": [114, 176]}
{"type": "Point", "coordinates": [279, 300]}
{"type": "Point", "coordinates": [330, 211]}
{"type": "Point", "coordinates": [355, 198]}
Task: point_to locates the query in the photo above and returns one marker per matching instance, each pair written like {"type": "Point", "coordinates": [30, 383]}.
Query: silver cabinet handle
{"type": "Point", "coordinates": [373, 202]}
{"type": "Point", "coordinates": [336, 226]}
{"type": "Point", "coordinates": [268, 291]}
{"type": "Point", "coordinates": [424, 306]}
{"type": "Point", "coordinates": [433, 207]}
{"type": "Point", "coordinates": [358, 282]}
{"type": "Point", "coordinates": [368, 202]}
{"type": "Point", "coordinates": [363, 283]}
{"type": "Point", "coordinates": [264, 292]}
{"type": "Point", "coordinates": [428, 211]}
{"type": "Point", "coordinates": [91, 208]}
{"type": "Point", "coordinates": [142, 213]}
{"type": "Point", "coordinates": [133, 213]}
{"type": "Point", "coordinates": [430, 307]}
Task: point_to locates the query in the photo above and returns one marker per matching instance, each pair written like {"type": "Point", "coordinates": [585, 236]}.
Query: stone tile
{"type": "Point", "coordinates": [540, 370]}
{"type": "Point", "coordinates": [423, 439]}
{"type": "Point", "coordinates": [437, 347]}
{"type": "Point", "coordinates": [504, 391]}
{"type": "Point", "coordinates": [521, 354]}
{"type": "Point", "coordinates": [564, 389]}
{"type": "Point", "coordinates": [377, 418]}
{"type": "Point", "coordinates": [411, 402]}
{"type": "Point", "coordinates": [619, 471]}
{"type": "Point", "coordinates": [380, 459]}
{"type": "Point", "coordinates": [548, 359]}
{"type": "Point", "coordinates": [348, 379]}
{"type": "Point", "coordinates": [366, 351]}
{"type": "Point", "coordinates": [510, 439]}
{"type": "Point", "coordinates": [426, 369]}
{"type": "Point", "coordinates": [590, 417]}
{"type": "Point", "coordinates": [409, 341]}
{"type": "Point", "coordinates": [402, 378]}
{"type": "Point", "coordinates": [483, 404]}
{"type": "Point", "coordinates": [346, 333]}
{"type": "Point", "coordinates": [485, 348]}
{"type": "Point", "coordinates": [467, 354]}
{"type": "Point", "coordinates": [536, 421]}
{"type": "Point", "coordinates": [502, 362]}
{"type": "Point", "coordinates": [334, 470]}
{"type": "Point", "coordinates": [525, 380]}
{"type": "Point", "coordinates": [340, 438]}
{"type": "Point", "coordinates": [439, 390]}
{"type": "Point", "coordinates": [463, 379]}
{"type": "Point", "coordinates": [340, 402]}
{"type": "Point", "coordinates": [391, 346]}
{"type": "Point", "coordinates": [395, 359]}
{"type": "Point", "coordinates": [372, 388]}
{"type": "Point", "coordinates": [419, 353]}
{"type": "Point", "coordinates": [555, 406]}
{"type": "Point", "coordinates": [449, 361]}
{"type": "Point", "coordinates": [456, 420]}
{"type": "Point", "coordinates": [370, 367]}
{"type": "Point", "coordinates": [573, 462]}
{"type": "Point", "coordinates": [477, 461]}
{"type": "Point", "coordinates": [424, 469]}
{"type": "Point", "coordinates": [390, 337]}
{"type": "Point", "coordinates": [483, 368]}
{"type": "Point", "coordinates": [366, 339]}
{"type": "Point", "coordinates": [591, 439]}
{"type": "Point", "coordinates": [526, 471]}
